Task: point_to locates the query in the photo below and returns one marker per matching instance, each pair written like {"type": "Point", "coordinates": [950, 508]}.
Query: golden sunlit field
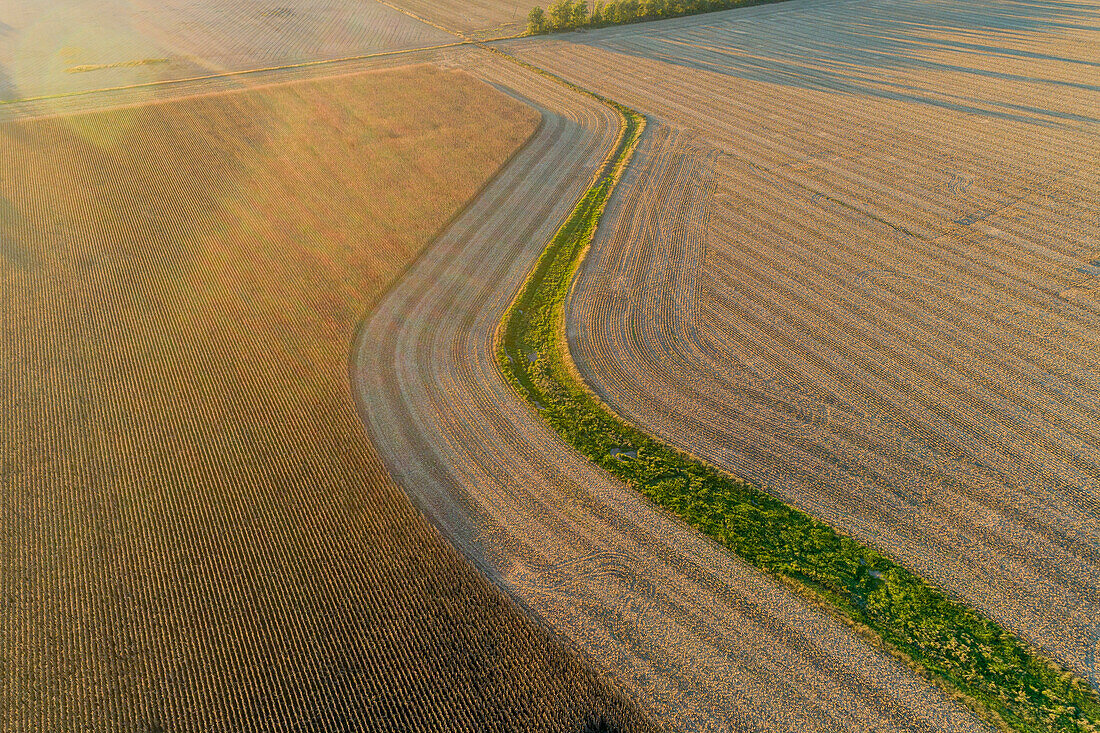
{"type": "Point", "coordinates": [854, 262]}
{"type": "Point", "coordinates": [51, 47]}
{"type": "Point", "coordinates": [347, 386]}
{"type": "Point", "coordinates": [196, 534]}
{"type": "Point", "coordinates": [871, 291]}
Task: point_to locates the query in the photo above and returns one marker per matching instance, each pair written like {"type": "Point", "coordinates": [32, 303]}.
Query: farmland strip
{"type": "Point", "coordinates": [195, 534]}
{"type": "Point", "coordinates": [703, 640]}
{"type": "Point", "coordinates": [932, 258]}
{"type": "Point", "coordinates": [1001, 678]}
{"type": "Point", "coordinates": [39, 41]}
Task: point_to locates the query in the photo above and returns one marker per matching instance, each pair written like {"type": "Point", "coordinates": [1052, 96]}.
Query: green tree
{"type": "Point", "coordinates": [580, 13]}
{"type": "Point", "coordinates": [597, 13]}
{"type": "Point", "coordinates": [628, 11]}
{"type": "Point", "coordinates": [536, 21]}
{"type": "Point", "coordinates": [561, 15]}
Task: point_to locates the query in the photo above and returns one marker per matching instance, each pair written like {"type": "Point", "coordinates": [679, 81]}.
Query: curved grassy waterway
{"type": "Point", "coordinates": [1003, 679]}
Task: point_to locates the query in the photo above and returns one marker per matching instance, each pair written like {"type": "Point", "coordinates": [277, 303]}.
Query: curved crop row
{"type": "Point", "coordinates": [888, 307]}
{"type": "Point", "coordinates": [998, 675]}
{"type": "Point", "coordinates": [704, 641]}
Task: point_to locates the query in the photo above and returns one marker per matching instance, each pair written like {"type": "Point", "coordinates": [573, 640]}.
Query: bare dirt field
{"type": "Point", "coordinates": [859, 265]}
{"type": "Point", "coordinates": [63, 46]}
{"type": "Point", "coordinates": [194, 531]}
{"type": "Point", "coordinates": [703, 642]}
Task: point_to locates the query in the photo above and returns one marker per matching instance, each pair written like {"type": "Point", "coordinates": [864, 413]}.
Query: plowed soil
{"type": "Point", "coordinates": [702, 641]}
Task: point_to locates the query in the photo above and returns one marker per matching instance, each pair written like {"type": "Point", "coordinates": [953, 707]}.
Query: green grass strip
{"type": "Point", "coordinates": [1003, 679]}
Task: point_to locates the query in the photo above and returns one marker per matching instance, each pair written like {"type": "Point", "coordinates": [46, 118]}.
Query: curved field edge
{"type": "Point", "coordinates": [1002, 678]}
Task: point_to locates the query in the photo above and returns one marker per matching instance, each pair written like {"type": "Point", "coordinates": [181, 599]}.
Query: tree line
{"type": "Point", "coordinates": [569, 14]}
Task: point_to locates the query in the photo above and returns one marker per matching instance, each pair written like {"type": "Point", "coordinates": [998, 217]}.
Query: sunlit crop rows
{"type": "Point", "coordinates": [875, 294]}
{"type": "Point", "coordinates": [66, 45]}
{"type": "Point", "coordinates": [194, 532]}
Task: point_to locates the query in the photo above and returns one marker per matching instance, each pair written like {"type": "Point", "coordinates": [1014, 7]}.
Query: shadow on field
{"type": "Point", "coordinates": [600, 725]}
{"type": "Point", "coordinates": [180, 458]}
{"type": "Point", "coordinates": [8, 90]}
{"type": "Point", "coordinates": [12, 226]}
{"type": "Point", "coordinates": [853, 48]}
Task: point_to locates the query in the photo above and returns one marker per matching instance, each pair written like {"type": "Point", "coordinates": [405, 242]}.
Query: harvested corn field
{"type": "Point", "coordinates": [66, 46]}
{"type": "Point", "coordinates": [196, 534]}
{"type": "Point", "coordinates": [703, 641]}
{"type": "Point", "coordinates": [860, 274]}
{"type": "Point", "coordinates": [475, 18]}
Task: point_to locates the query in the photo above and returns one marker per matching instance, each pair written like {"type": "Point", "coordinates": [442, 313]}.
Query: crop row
{"type": "Point", "coordinates": [113, 42]}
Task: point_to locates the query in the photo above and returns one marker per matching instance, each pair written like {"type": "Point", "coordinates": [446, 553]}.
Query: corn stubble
{"type": "Point", "coordinates": [871, 290]}
{"type": "Point", "coordinates": [196, 533]}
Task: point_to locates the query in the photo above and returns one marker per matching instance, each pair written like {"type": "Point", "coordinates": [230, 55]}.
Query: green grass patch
{"type": "Point", "coordinates": [1003, 679]}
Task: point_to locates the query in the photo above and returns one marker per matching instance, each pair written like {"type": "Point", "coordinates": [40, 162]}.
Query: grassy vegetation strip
{"type": "Point", "coordinates": [1003, 679]}
{"type": "Point", "coordinates": [565, 15]}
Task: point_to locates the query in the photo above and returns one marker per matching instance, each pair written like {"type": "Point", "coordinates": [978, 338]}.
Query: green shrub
{"type": "Point", "coordinates": [536, 21]}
